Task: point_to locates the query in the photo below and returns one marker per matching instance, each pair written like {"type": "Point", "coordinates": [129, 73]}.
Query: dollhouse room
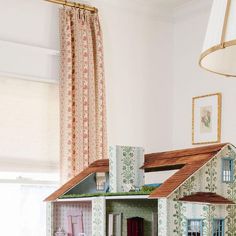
{"type": "Point", "coordinates": [117, 117]}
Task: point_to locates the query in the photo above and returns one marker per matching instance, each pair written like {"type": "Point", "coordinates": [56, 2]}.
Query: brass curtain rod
{"type": "Point", "coordinates": [74, 4]}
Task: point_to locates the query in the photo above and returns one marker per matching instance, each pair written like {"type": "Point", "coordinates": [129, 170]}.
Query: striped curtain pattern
{"type": "Point", "coordinates": [82, 92]}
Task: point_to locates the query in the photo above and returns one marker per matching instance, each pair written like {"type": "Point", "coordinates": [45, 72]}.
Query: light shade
{"type": "Point", "coordinates": [219, 49]}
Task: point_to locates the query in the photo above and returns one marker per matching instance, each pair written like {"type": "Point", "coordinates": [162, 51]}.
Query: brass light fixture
{"type": "Point", "coordinates": [219, 49]}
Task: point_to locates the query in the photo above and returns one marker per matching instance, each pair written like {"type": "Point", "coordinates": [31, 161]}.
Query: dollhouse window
{"type": "Point", "coordinates": [114, 224]}
{"type": "Point", "coordinates": [194, 228]}
{"type": "Point", "coordinates": [218, 227]}
{"type": "Point", "coordinates": [227, 170]}
{"type": "Point", "coordinates": [100, 181]}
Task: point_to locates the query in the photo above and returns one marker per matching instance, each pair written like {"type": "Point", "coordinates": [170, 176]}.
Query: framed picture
{"type": "Point", "coordinates": [206, 121]}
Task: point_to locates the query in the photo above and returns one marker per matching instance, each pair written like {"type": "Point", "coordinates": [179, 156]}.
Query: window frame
{"type": "Point", "coordinates": [99, 187]}
{"type": "Point", "coordinates": [201, 225]}
{"type": "Point", "coordinates": [18, 193]}
{"type": "Point", "coordinates": [223, 225]}
{"type": "Point", "coordinates": [112, 219]}
{"type": "Point", "coordinates": [231, 169]}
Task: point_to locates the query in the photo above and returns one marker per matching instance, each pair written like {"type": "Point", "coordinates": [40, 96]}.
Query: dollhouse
{"type": "Point", "coordinates": [111, 197]}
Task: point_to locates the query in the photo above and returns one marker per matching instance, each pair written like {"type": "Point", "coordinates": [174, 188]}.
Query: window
{"type": "Point", "coordinates": [23, 211]}
{"type": "Point", "coordinates": [194, 228]}
{"type": "Point", "coordinates": [100, 181]}
{"type": "Point", "coordinates": [114, 224]}
{"type": "Point", "coordinates": [227, 170]}
{"type": "Point", "coordinates": [218, 227]}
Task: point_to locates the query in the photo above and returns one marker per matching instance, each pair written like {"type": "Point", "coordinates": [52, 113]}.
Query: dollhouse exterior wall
{"type": "Point", "coordinates": [125, 163]}
{"type": "Point", "coordinates": [173, 214]}
{"type": "Point", "coordinates": [49, 219]}
{"type": "Point", "coordinates": [163, 214]}
{"type": "Point", "coordinates": [98, 216]}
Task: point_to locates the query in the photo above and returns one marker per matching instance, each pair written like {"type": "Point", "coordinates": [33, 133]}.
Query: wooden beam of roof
{"type": "Point", "coordinates": [168, 163]}
{"type": "Point", "coordinates": [172, 183]}
{"type": "Point", "coordinates": [191, 160]}
{"type": "Point", "coordinates": [184, 152]}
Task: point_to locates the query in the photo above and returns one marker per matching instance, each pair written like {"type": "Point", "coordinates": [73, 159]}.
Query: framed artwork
{"type": "Point", "coordinates": [206, 119]}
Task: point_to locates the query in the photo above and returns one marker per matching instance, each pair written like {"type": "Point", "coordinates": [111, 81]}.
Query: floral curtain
{"type": "Point", "coordinates": [82, 91]}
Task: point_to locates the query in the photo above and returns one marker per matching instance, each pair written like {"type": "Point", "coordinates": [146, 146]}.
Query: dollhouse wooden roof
{"type": "Point", "coordinates": [97, 166]}
{"type": "Point", "coordinates": [188, 161]}
{"type": "Point", "coordinates": [206, 197]}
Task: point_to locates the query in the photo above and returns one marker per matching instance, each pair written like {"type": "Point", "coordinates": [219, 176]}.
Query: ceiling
{"type": "Point", "coordinates": [165, 3]}
{"type": "Point", "coordinates": [171, 3]}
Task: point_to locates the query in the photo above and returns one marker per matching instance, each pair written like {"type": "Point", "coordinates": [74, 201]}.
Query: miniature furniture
{"type": "Point", "coordinates": [135, 226]}
{"type": "Point", "coordinates": [75, 224]}
{"type": "Point", "coordinates": [114, 224]}
{"type": "Point", "coordinates": [60, 232]}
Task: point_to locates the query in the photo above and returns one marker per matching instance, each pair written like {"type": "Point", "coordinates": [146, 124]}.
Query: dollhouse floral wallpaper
{"type": "Point", "coordinates": [123, 170]}
{"type": "Point", "coordinates": [173, 214]}
{"type": "Point", "coordinates": [98, 216]}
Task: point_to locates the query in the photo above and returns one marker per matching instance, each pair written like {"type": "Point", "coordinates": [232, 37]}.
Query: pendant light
{"type": "Point", "coordinates": [219, 49]}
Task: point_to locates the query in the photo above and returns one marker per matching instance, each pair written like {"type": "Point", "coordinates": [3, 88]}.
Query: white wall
{"type": "Point", "coordinates": [138, 42]}
{"type": "Point", "coordinates": [190, 80]}
{"type": "Point", "coordinates": [138, 75]}
{"type": "Point", "coordinates": [151, 67]}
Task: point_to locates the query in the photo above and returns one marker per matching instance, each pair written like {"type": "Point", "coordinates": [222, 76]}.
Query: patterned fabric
{"type": "Point", "coordinates": [82, 92]}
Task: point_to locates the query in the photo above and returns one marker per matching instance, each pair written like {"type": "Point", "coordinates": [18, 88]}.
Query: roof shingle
{"type": "Point", "coordinates": [97, 166]}
{"type": "Point", "coordinates": [188, 161]}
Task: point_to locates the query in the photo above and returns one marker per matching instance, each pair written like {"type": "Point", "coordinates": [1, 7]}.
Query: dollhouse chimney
{"type": "Point", "coordinates": [124, 168]}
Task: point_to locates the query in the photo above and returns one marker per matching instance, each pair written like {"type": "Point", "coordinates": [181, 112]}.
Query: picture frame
{"type": "Point", "coordinates": [206, 119]}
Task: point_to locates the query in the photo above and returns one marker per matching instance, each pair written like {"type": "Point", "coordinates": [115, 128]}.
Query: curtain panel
{"type": "Point", "coordinates": [82, 92]}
